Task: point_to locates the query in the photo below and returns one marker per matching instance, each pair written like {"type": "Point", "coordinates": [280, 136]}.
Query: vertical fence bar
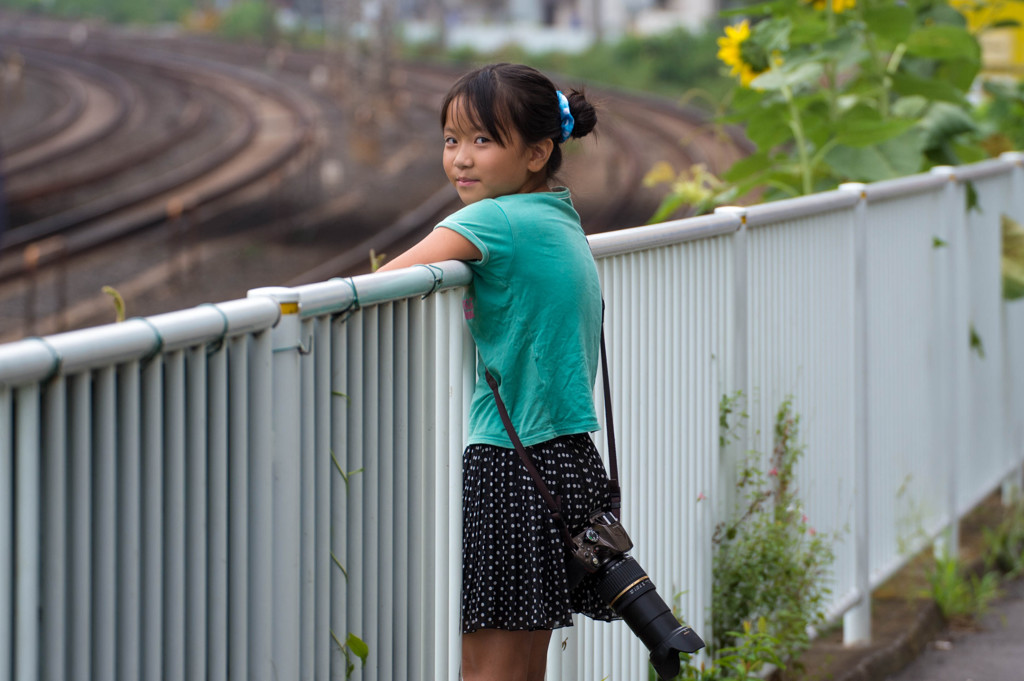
{"type": "Point", "coordinates": [418, 406]}
{"type": "Point", "coordinates": [6, 535]}
{"type": "Point", "coordinates": [308, 502]}
{"type": "Point", "coordinates": [442, 665]}
{"type": "Point", "coordinates": [1013, 435]}
{"type": "Point", "coordinates": [129, 513]}
{"type": "Point", "coordinates": [152, 519]}
{"type": "Point", "coordinates": [949, 543]}
{"type": "Point", "coordinates": [453, 456]}
{"type": "Point", "coordinates": [339, 390]}
{"type": "Point", "coordinates": [287, 478]}
{"type": "Point", "coordinates": [737, 373]}
{"type": "Point", "coordinates": [195, 495]}
{"type": "Point", "coordinates": [387, 605]}
{"type": "Point", "coordinates": [174, 516]}
{"type": "Point", "coordinates": [80, 530]}
{"type": "Point", "coordinates": [26, 535]}
{"type": "Point", "coordinates": [857, 620]}
{"type": "Point", "coordinates": [104, 553]}
{"type": "Point", "coordinates": [371, 468]}
{"type": "Point", "coordinates": [353, 464]}
{"type": "Point", "coordinates": [261, 509]}
{"type": "Point", "coordinates": [217, 518]}
{"type": "Point", "coordinates": [322, 474]}
{"type": "Point", "coordinates": [238, 508]}
{"type": "Point", "coordinates": [404, 512]}
{"type": "Point", "coordinates": [53, 665]}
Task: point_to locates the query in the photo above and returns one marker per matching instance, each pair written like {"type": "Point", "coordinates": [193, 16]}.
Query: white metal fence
{"type": "Point", "coordinates": [227, 492]}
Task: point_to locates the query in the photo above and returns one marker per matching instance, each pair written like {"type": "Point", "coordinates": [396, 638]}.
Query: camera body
{"type": "Point", "coordinates": [601, 549]}
{"type": "Point", "coordinates": [602, 539]}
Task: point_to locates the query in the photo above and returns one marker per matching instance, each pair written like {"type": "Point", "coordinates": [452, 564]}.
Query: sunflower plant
{"type": "Point", "coordinates": [832, 91]}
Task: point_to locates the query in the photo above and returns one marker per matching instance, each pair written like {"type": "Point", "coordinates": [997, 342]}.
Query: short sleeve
{"type": "Point", "coordinates": [485, 225]}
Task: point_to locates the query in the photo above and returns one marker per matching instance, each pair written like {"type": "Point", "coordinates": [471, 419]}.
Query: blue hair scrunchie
{"type": "Point", "coordinates": [567, 119]}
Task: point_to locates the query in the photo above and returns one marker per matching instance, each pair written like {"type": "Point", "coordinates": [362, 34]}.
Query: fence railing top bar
{"type": "Point", "coordinates": [36, 359]}
{"type": "Point", "coordinates": [983, 169]}
{"type": "Point", "coordinates": [799, 207]}
{"type": "Point", "coordinates": [904, 186]}
{"type": "Point", "coordinates": [624, 241]}
{"type": "Point", "coordinates": [339, 295]}
{"type": "Point", "coordinates": [27, 361]}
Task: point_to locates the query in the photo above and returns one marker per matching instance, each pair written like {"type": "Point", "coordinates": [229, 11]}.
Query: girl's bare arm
{"type": "Point", "coordinates": [440, 244]}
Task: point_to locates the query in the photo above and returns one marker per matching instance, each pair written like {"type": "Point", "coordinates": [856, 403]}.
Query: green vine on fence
{"type": "Point", "coordinates": [353, 645]}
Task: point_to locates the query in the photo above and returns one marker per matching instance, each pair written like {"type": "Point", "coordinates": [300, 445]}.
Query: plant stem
{"type": "Point", "coordinates": [797, 126]}
{"type": "Point", "coordinates": [890, 68]}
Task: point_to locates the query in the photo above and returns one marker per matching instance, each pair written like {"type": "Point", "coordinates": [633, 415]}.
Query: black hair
{"type": "Point", "coordinates": [499, 98]}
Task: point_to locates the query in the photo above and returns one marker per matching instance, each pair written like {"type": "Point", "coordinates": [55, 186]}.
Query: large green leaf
{"type": "Point", "coordinates": [943, 42]}
{"type": "Point", "coordinates": [811, 30]}
{"type": "Point", "coordinates": [769, 128]}
{"type": "Point", "coordinates": [847, 50]}
{"type": "Point", "coordinates": [772, 35]}
{"type": "Point", "coordinates": [808, 73]}
{"type": "Point", "coordinates": [891, 22]}
{"type": "Point", "coordinates": [943, 121]}
{"type": "Point", "coordinates": [1013, 259]}
{"type": "Point", "coordinates": [959, 72]}
{"type": "Point", "coordinates": [764, 8]}
{"type": "Point", "coordinates": [863, 125]}
{"type": "Point", "coordinates": [913, 106]}
{"type": "Point", "coordinates": [867, 133]}
{"type": "Point", "coordinates": [816, 120]}
{"type": "Point", "coordinates": [969, 153]}
{"type": "Point", "coordinates": [930, 88]}
{"type": "Point", "coordinates": [895, 157]}
{"type": "Point", "coordinates": [748, 166]}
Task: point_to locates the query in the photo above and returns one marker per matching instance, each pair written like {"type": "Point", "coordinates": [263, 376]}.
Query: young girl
{"type": "Point", "coordinates": [534, 310]}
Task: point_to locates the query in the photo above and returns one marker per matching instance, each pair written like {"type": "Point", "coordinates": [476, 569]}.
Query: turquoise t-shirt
{"type": "Point", "coordinates": [534, 310]}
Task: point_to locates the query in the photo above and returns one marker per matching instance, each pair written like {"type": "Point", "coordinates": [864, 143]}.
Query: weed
{"type": "Point", "coordinates": [959, 596]}
{"type": "Point", "coordinates": [770, 562]}
{"type": "Point", "coordinates": [1004, 544]}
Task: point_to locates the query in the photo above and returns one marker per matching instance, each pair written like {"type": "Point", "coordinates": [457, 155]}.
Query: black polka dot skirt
{"type": "Point", "coordinates": [513, 556]}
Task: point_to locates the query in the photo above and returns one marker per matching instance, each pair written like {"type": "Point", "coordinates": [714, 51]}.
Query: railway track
{"type": "Point", "coordinates": [263, 126]}
{"type": "Point", "coordinates": [286, 220]}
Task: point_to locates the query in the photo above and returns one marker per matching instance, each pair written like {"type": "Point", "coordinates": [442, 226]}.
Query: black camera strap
{"type": "Point", "coordinates": [555, 503]}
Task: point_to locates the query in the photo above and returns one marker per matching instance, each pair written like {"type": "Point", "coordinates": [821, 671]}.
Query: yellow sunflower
{"type": "Point", "coordinates": [731, 52]}
{"type": "Point", "coordinates": [838, 6]}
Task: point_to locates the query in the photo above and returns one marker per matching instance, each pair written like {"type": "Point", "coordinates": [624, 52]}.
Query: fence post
{"type": "Point", "coordinates": [286, 482]}
{"type": "Point", "coordinates": [948, 543]}
{"type": "Point", "coordinates": [736, 381]}
{"type": "Point", "coordinates": [27, 509]}
{"type": "Point", "coordinates": [1013, 484]}
{"type": "Point", "coordinates": [737, 378]}
{"type": "Point", "coordinates": [7, 444]}
{"type": "Point", "coordinates": [857, 620]}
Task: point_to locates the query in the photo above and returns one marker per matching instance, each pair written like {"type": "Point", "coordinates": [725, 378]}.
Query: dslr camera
{"type": "Point", "coordinates": [601, 549]}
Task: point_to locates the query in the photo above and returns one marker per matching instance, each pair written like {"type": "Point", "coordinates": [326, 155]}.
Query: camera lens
{"type": "Point", "coordinates": [625, 586]}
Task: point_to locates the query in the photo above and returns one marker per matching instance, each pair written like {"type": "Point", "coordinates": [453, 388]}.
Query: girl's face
{"type": "Point", "coordinates": [480, 168]}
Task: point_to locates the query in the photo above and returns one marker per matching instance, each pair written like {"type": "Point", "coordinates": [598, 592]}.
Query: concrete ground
{"type": "Point", "coordinates": [993, 650]}
{"type": "Point", "coordinates": [911, 641]}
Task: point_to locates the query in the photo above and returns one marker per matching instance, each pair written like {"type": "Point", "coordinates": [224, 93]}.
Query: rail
{"type": "Point", "coordinates": [231, 490]}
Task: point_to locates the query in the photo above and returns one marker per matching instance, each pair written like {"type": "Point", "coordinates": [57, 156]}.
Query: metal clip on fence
{"type": "Point", "coordinates": [354, 306]}
{"type": "Point", "coordinates": [438, 275]}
